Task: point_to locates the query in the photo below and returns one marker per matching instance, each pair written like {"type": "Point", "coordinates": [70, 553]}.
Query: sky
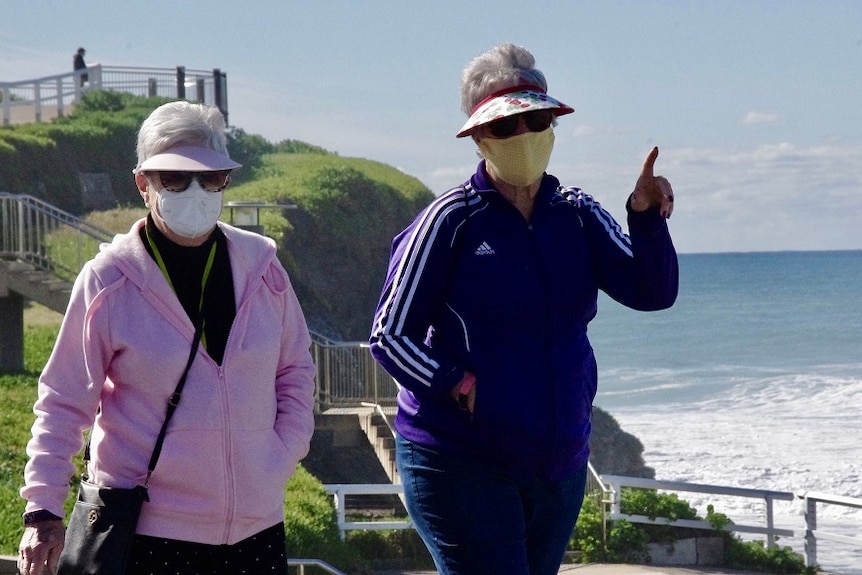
{"type": "Point", "coordinates": [754, 105]}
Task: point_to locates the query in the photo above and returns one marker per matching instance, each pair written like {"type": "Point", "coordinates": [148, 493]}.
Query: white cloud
{"type": "Point", "coordinates": [760, 118]}
{"type": "Point", "coordinates": [770, 197]}
{"type": "Point", "coordinates": [779, 196]}
{"type": "Point", "coordinates": [583, 131]}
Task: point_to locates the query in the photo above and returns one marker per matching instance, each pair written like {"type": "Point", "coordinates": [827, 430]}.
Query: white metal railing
{"type": "Point", "coordinates": [35, 231]}
{"type": "Point", "coordinates": [612, 486]}
{"type": "Point", "coordinates": [44, 98]}
{"type": "Point", "coordinates": [347, 375]}
{"type": "Point", "coordinates": [615, 483]}
{"type": "Point", "coordinates": [340, 491]}
{"type": "Point", "coordinates": [27, 232]}
{"type": "Point", "coordinates": [812, 534]}
{"type": "Point", "coordinates": [302, 563]}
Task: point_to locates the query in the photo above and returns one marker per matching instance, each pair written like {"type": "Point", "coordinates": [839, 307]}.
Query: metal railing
{"type": "Point", "coordinates": [302, 563]}
{"type": "Point", "coordinates": [340, 491]}
{"type": "Point", "coordinates": [615, 484]}
{"type": "Point", "coordinates": [609, 487]}
{"type": "Point", "coordinates": [347, 375]}
{"type": "Point", "coordinates": [812, 533]}
{"type": "Point", "coordinates": [39, 233]}
{"type": "Point", "coordinates": [44, 98]}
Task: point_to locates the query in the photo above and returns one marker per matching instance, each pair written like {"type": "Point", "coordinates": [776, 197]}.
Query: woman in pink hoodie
{"type": "Point", "coordinates": [245, 417]}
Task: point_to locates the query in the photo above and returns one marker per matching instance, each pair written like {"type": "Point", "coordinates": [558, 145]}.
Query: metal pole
{"type": "Point", "coordinates": [60, 97]}
{"type": "Point", "coordinates": [770, 524]}
{"type": "Point", "coordinates": [20, 249]}
{"type": "Point", "coordinates": [219, 92]}
{"type": "Point", "coordinates": [181, 82]}
{"type": "Point", "coordinates": [37, 99]}
{"type": "Point", "coordinates": [810, 514]}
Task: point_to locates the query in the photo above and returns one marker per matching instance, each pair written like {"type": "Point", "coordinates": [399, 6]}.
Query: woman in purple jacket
{"type": "Point", "coordinates": [483, 323]}
{"type": "Point", "coordinates": [245, 417]}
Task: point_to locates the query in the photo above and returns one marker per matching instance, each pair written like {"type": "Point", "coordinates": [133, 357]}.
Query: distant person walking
{"type": "Point", "coordinates": [79, 64]}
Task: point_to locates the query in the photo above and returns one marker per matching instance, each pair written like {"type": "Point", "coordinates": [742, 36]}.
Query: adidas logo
{"type": "Point", "coordinates": [484, 250]}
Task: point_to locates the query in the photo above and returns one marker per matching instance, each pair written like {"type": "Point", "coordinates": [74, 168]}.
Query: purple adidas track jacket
{"type": "Point", "coordinates": [472, 286]}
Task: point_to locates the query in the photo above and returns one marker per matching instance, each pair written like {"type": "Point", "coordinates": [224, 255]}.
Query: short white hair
{"type": "Point", "coordinates": [181, 123]}
{"type": "Point", "coordinates": [503, 66]}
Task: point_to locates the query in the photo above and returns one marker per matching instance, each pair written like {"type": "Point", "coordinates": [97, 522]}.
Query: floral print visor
{"type": "Point", "coordinates": [511, 101]}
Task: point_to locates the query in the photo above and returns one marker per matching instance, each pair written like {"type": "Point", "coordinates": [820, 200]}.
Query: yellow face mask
{"type": "Point", "coordinates": [519, 160]}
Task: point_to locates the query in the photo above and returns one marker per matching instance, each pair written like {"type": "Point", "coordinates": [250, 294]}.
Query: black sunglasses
{"type": "Point", "coordinates": [535, 120]}
{"type": "Point", "coordinates": [180, 181]}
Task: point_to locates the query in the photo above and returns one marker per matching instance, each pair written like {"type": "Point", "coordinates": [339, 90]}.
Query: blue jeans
{"type": "Point", "coordinates": [476, 521]}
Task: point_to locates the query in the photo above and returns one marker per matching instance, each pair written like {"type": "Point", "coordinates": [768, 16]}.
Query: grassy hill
{"type": "Point", "coordinates": [334, 244]}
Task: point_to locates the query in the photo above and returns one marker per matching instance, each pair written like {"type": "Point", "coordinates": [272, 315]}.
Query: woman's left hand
{"type": "Point", "coordinates": [652, 191]}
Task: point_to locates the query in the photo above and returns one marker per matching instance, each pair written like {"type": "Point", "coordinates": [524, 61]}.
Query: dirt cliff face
{"type": "Point", "coordinates": [338, 248]}
{"type": "Point", "coordinates": [615, 452]}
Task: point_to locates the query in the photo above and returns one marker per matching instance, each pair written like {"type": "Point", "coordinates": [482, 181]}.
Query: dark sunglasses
{"type": "Point", "coordinates": [535, 120]}
{"type": "Point", "coordinates": [180, 181]}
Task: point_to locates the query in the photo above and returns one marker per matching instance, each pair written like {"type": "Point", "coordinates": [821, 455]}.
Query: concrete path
{"type": "Point", "coordinates": [617, 569]}
{"type": "Point", "coordinates": [7, 567]}
{"type": "Point", "coordinates": [643, 570]}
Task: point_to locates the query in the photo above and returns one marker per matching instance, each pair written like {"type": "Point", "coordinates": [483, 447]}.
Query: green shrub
{"type": "Point", "coordinates": [755, 556]}
{"type": "Point", "coordinates": [310, 522]}
{"type": "Point", "coordinates": [626, 542]}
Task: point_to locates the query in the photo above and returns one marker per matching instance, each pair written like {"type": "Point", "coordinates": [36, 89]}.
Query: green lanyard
{"type": "Point", "coordinates": [207, 269]}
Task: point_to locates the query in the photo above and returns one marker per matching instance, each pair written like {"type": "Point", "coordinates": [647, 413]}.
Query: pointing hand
{"type": "Point", "coordinates": [652, 191]}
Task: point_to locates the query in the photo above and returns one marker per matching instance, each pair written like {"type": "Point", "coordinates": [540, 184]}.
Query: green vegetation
{"type": "Point", "coordinates": [17, 394]}
{"type": "Point", "coordinates": [44, 160]}
{"type": "Point", "coordinates": [627, 542]}
{"type": "Point", "coordinates": [334, 239]}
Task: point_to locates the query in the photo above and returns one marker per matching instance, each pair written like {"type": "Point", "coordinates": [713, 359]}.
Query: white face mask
{"type": "Point", "coordinates": [519, 160]}
{"type": "Point", "coordinates": [191, 213]}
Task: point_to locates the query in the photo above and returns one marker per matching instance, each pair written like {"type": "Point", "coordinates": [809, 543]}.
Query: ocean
{"type": "Point", "coordinates": [753, 379]}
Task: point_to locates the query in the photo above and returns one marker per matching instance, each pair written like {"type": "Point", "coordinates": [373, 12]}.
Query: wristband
{"type": "Point", "coordinates": [37, 516]}
{"type": "Point", "coordinates": [467, 383]}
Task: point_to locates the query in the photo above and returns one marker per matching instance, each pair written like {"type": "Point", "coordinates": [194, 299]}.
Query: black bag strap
{"type": "Point", "coordinates": [174, 401]}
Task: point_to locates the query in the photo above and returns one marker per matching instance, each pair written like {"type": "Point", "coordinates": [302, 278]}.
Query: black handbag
{"type": "Point", "coordinates": [101, 529]}
{"type": "Point", "coordinates": [102, 525]}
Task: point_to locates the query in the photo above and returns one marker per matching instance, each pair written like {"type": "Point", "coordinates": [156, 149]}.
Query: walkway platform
{"type": "Point", "coordinates": [616, 569]}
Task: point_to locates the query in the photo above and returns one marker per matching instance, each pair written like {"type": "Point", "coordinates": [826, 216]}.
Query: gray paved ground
{"type": "Point", "coordinates": [613, 570]}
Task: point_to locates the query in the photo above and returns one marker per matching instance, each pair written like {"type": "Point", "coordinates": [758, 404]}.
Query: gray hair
{"type": "Point", "coordinates": [181, 123]}
{"type": "Point", "coordinates": [503, 66]}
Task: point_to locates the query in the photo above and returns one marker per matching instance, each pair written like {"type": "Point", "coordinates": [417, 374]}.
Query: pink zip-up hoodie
{"type": "Point", "coordinates": [240, 428]}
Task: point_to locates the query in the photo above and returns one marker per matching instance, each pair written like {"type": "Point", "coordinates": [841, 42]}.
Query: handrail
{"type": "Point", "coordinates": [378, 409]}
{"type": "Point", "coordinates": [26, 226]}
{"type": "Point", "coordinates": [615, 483]}
{"type": "Point", "coordinates": [340, 491]}
{"type": "Point", "coordinates": [51, 96]}
{"type": "Point", "coordinates": [301, 563]}
{"type": "Point", "coordinates": [812, 534]}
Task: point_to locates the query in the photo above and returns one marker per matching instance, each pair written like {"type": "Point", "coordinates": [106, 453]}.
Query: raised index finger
{"type": "Point", "coordinates": [647, 169]}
